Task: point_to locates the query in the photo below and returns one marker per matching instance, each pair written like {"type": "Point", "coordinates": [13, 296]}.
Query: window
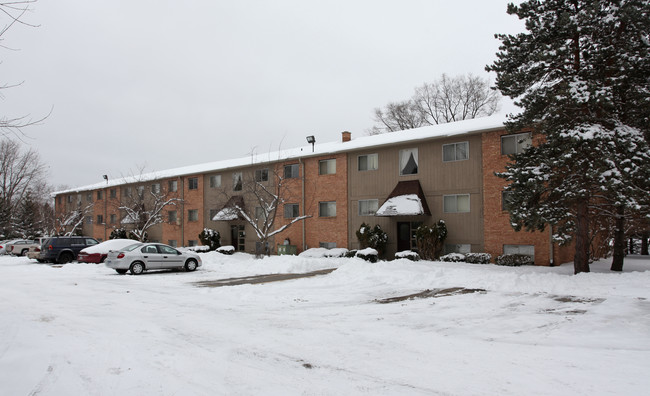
{"type": "Point", "coordinates": [291, 211]}
{"type": "Point", "coordinates": [192, 242]}
{"type": "Point", "coordinates": [193, 183]}
{"type": "Point", "coordinates": [368, 162]}
{"type": "Point", "coordinates": [113, 192]}
{"type": "Point", "coordinates": [515, 144]}
{"type": "Point", "coordinates": [155, 188]}
{"type": "Point", "coordinates": [173, 185]}
{"type": "Point", "coordinates": [100, 219]}
{"type": "Point", "coordinates": [89, 197]}
{"type": "Point", "coordinates": [140, 190]}
{"type": "Point", "coordinates": [127, 191]}
{"type": "Point", "coordinates": [237, 181]}
{"type": "Point", "coordinates": [215, 181]}
{"type": "Point", "coordinates": [260, 214]}
{"type": "Point", "coordinates": [172, 242]}
{"type": "Point", "coordinates": [70, 198]}
{"type": "Point", "coordinates": [261, 175]}
{"type": "Point", "coordinates": [368, 207]}
{"type": "Point", "coordinates": [291, 171]}
{"type": "Point", "coordinates": [408, 162]}
{"type": "Point", "coordinates": [327, 209]}
{"type": "Point", "coordinates": [193, 215]}
{"type": "Point", "coordinates": [99, 195]}
{"type": "Point", "coordinates": [327, 167]}
{"type": "Point", "coordinates": [59, 198]}
{"type": "Point", "coordinates": [113, 218]}
{"type": "Point", "coordinates": [79, 199]}
{"type": "Point", "coordinates": [505, 196]}
{"type": "Point", "coordinates": [528, 250]}
{"type": "Point", "coordinates": [327, 245]}
{"type": "Point", "coordinates": [172, 216]}
{"type": "Point", "coordinates": [455, 152]}
{"type": "Point", "coordinates": [458, 248]}
{"type": "Point", "coordinates": [456, 203]}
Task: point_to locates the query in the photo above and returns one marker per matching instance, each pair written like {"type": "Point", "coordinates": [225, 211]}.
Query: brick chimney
{"type": "Point", "coordinates": [346, 136]}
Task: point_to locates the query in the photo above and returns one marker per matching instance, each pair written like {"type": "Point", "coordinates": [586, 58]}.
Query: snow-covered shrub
{"type": "Point", "coordinates": [430, 240]}
{"type": "Point", "coordinates": [408, 254]}
{"type": "Point", "coordinates": [210, 238]}
{"type": "Point", "coordinates": [453, 258]}
{"type": "Point", "coordinates": [351, 253]}
{"type": "Point", "coordinates": [118, 233]}
{"type": "Point", "coordinates": [514, 260]}
{"type": "Point", "coordinates": [372, 237]}
{"type": "Point", "coordinates": [478, 258]}
{"type": "Point", "coordinates": [336, 252]}
{"type": "Point", "coordinates": [368, 254]}
{"type": "Point", "coordinates": [228, 249]}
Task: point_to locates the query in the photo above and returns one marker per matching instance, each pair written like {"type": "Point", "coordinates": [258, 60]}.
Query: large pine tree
{"type": "Point", "coordinates": [581, 75]}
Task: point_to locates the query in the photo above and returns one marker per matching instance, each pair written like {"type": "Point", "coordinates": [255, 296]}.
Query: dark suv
{"type": "Point", "coordinates": [63, 250]}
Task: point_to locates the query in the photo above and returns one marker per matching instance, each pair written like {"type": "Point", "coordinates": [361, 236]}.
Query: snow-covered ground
{"type": "Point", "coordinates": [81, 329]}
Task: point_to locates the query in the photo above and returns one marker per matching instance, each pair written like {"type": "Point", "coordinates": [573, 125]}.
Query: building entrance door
{"type": "Point", "coordinates": [238, 237]}
{"type": "Point", "coordinates": [406, 235]}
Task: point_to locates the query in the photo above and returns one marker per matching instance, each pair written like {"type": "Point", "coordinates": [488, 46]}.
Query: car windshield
{"type": "Point", "coordinates": [131, 247]}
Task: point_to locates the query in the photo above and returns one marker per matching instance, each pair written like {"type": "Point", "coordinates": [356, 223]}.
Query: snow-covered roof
{"type": "Point", "coordinates": [403, 205]}
{"type": "Point", "coordinates": [476, 125]}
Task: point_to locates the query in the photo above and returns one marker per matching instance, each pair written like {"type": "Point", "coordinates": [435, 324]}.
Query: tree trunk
{"type": "Point", "coordinates": [619, 240]}
{"type": "Point", "coordinates": [581, 257]}
{"type": "Point", "coordinates": [644, 242]}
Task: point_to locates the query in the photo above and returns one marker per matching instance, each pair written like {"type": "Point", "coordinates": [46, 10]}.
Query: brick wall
{"type": "Point", "coordinates": [192, 200]}
{"type": "Point", "coordinates": [497, 229]}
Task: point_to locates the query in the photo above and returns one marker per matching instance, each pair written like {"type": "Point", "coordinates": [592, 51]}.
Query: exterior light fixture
{"type": "Point", "coordinates": [311, 139]}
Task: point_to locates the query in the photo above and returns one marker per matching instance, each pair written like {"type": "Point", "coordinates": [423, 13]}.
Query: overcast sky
{"type": "Point", "coordinates": [160, 84]}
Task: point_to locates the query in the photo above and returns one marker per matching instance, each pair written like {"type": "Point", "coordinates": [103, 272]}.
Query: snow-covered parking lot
{"type": "Point", "coordinates": [81, 329]}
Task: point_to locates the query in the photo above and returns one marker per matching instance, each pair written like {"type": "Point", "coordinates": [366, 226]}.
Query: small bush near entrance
{"type": "Point", "coordinates": [368, 254]}
{"type": "Point", "coordinates": [514, 260]}
{"type": "Point", "coordinates": [351, 253]}
{"type": "Point", "coordinates": [372, 237]}
{"type": "Point", "coordinates": [430, 240]}
{"type": "Point", "coordinates": [453, 258]}
{"type": "Point", "coordinates": [211, 238]}
{"type": "Point", "coordinates": [226, 249]}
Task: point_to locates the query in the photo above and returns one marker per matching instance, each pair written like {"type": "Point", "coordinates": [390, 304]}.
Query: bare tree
{"type": "Point", "coordinates": [447, 99]}
{"type": "Point", "coordinates": [12, 13]}
{"type": "Point", "coordinates": [68, 223]}
{"type": "Point", "coordinates": [18, 172]}
{"type": "Point", "coordinates": [144, 208]}
{"type": "Point", "coordinates": [268, 191]}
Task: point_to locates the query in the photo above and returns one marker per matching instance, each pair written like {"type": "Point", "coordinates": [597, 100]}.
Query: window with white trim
{"type": "Point", "coordinates": [455, 152]}
{"type": "Point", "coordinates": [505, 196]}
{"type": "Point", "coordinates": [327, 245]}
{"type": "Point", "coordinates": [193, 215]}
{"type": "Point", "coordinates": [193, 183]}
{"type": "Point", "coordinates": [368, 162]}
{"type": "Point", "coordinates": [291, 211]}
{"type": "Point", "coordinates": [458, 203]}
{"type": "Point", "coordinates": [173, 185]}
{"type": "Point", "coordinates": [408, 162]}
{"type": "Point", "coordinates": [458, 248]}
{"type": "Point", "coordinates": [516, 144]}
{"type": "Point", "coordinates": [215, 181]}
{"type": "Point", "coordinates": [327, 167]}
{"type": "Point", "coordinates": [261, 175]}
{"type": "Point", "coordinates": [368, 207]}
{"type": "Point", "coordinates": [291, 171]}
{"type": "Point", "coordinates": [237, 183]}
{"type": "Point", "coordinates": [172, 216]}
{"type": "Point", "coordinates": [327, 209]}
{"type": "Point", "coordinates": [155, 188]}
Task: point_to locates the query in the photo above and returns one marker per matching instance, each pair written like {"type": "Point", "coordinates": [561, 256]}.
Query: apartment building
{"type": "Point", "coordinates": [444, 172]}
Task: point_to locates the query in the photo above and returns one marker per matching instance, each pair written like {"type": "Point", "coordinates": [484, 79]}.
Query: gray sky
{"type": "Point", "coordinates": [159, 84]}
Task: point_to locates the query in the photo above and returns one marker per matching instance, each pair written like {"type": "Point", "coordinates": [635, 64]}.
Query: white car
{"type": "Point", "coordinates": [141, 257]}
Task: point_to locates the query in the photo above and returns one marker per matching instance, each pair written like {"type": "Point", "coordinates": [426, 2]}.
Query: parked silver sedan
{"type": "Point", "coordinates": [141, 257]}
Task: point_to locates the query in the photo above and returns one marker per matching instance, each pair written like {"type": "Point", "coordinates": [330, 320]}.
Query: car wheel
{"type": "Point", "coordinates": [121, 271]}
{"type": "Point", "coordinates": [65, 258]}
{"type": "Point", "coordinates": [137, 268]}
{"type": "Point", "coordinates": [40, 261]}
{"type": "Point", "coordinates": [24, 252]}
{"type": "Point", "coordinates": [191, 265]}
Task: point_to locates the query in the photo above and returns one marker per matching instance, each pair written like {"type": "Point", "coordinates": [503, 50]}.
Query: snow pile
{"type": "Point", "coordinates": [324, 253]}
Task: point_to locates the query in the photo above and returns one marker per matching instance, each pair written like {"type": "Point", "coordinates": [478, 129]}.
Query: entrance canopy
{"type": "Point", "coordinates": [407, 199]}
{"type": "Point", "coordinates": [229, 211]}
